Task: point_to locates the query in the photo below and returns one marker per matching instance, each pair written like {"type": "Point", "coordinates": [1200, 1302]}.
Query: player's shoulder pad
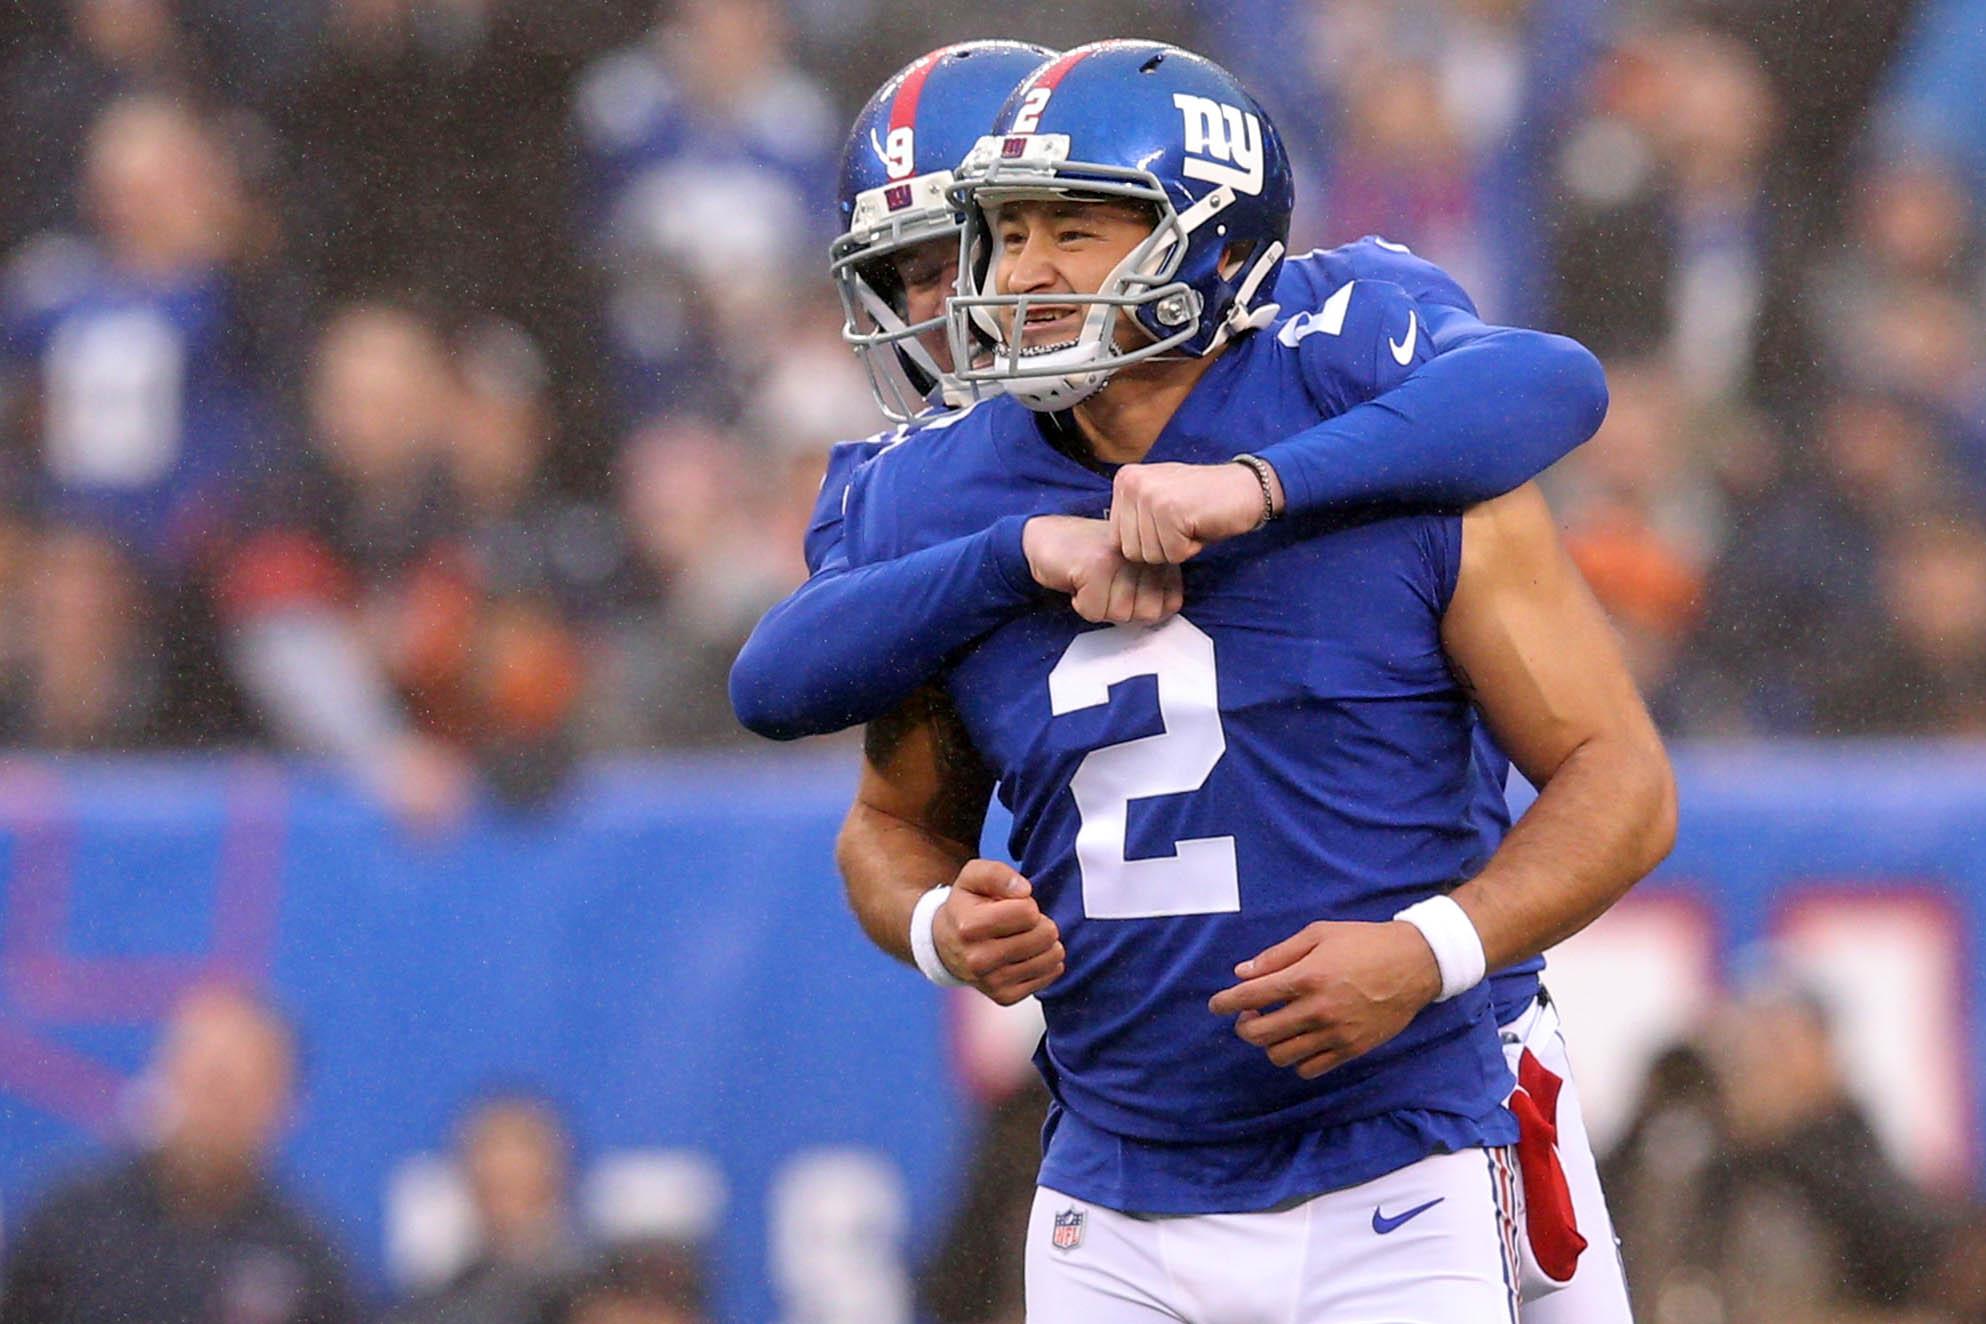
{"type": "Point", "coordinates": [1361, 341]}
{"type": "Point", "coordinates": [1375, 258]}
{"type": "Point", "coordinates": [892, 493]}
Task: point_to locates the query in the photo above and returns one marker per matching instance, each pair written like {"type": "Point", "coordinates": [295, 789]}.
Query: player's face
{"type": "Point", "coordinates": [1061, 246]}
{"type": "Point", "coordinates": [927, 273]}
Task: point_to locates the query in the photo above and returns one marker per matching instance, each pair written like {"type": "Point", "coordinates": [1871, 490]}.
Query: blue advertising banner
{"type": "Point", "coordinates": [666, 953]}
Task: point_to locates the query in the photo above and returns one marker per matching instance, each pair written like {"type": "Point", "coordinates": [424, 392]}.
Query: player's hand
{"type": "Point", "coordinates": [1080, 557]}
{"type": "Point", "coordinates": [1333, 991]}
{"type": "Point", "coordinates": [1167, 513]}
{"type": "Point", "coordinates": [991, 934]}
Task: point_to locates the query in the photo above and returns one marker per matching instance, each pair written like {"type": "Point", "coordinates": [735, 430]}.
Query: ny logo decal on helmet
{"type": "Point", "coordinates": [1226, 134]}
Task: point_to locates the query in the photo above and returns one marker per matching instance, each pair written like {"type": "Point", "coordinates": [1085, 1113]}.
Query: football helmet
{"type": "Point", "coordinates": [1136, 121]}
{"type": "Point", "coordinates": [896, 172]}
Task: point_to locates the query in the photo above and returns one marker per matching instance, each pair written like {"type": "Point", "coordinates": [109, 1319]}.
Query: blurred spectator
{"type": "Point", "coordinates": [94, 52]}
{"type": "Point", "coordinates": [700, 572]}
{"type": "Point", "coordinates": [1661, 1189]}
{"type": "Point", "coordinates": [540, 563]}
{"type": "Point", "coordinates": [1931, 107]}
{"type": "Point", "coordinates": [1816, 1215]}
{"type": "Point", "coordinates": [517, 1157]}
{"type": "Point", "coordinates": [1664, 242]}
{"type": "Point", "coordinates": [649, 1283]}
{"type": "Point", "coordinates": [707, 189]}
{"type": "Point", "coordinates": [1643, 518]}
{"type": "Point", "coordinates": [1802, 566]}
{"type": "Point", "coordinates": [136, 390]}
{"type": "Point", "coordinates": [347, 596]}
{"type": "Point", "coordinates": [975, 1276]}
{"type": "Point", "coordinates": [1924, 672]}
{"type": "Point", "coordinates": [1894, 310]}
{"type": "Point", "coordinates": [1750, 1188]}
{"type": "Point", "coordinates": [190, 1230]}
{"type": "Point", "coordinates": [1430, 122]}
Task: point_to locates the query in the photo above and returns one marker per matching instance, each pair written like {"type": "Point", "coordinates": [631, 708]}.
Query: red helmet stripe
{"type": "Point", "coordinates": [903, 110]}
{"type": "Point", "coordinates": [1055, 72]}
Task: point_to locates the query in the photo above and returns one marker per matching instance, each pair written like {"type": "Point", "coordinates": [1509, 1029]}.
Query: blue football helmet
{"type": "Point", "coordinates": [896, 173]}
{"type": "Point", "coordinates": [1136, 121]}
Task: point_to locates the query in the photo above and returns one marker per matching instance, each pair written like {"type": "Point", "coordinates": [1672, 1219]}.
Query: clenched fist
{"type": "Point", "coordinates": [991, 934]}
{"type": "Point", "coordinates": [1080, 557]}
{"type": "Point", "coordinates": [1167, 513]}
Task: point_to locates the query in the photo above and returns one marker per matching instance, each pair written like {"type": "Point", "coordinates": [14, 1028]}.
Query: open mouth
{"type": "Point", "coordinates": [1049, 328]}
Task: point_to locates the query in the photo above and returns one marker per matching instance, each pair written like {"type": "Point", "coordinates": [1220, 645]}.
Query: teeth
{"type": "Point", "coordinates": [1033, 351]}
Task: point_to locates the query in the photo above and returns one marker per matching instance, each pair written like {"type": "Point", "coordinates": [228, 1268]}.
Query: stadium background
{"type": "Point", "coordinates": [410, 404]}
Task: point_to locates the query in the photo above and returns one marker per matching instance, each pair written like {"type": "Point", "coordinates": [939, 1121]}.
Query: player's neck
{"type": "Point", "coordinates": [1123, 421]}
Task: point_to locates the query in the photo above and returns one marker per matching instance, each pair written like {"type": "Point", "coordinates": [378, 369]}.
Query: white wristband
{"type": "Point", "coordinates": [1458, 948]}
{"type": "Point", "coordinates": [924, 942]}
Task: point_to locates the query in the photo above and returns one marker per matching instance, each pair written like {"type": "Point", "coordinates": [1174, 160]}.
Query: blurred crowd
{"type": "Point", "coordinates": [442, 385]}
{"type": "Point", "coordinates": [189, 1224]}
{"type": "Point", "coordinates": [1749, 1186]}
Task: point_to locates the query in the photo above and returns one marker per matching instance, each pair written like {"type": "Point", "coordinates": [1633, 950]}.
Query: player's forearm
{"type": "Point", "coordinates": [886, 864]}
{"type": "Point", "coordinates": [850, 645]}
{"type": "Point", "coordinates": [1494, 410]}
{"type": "Point", "coordinates": [1607, 817]}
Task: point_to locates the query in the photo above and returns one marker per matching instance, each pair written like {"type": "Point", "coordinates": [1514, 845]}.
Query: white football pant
{"type": "Point", "coordinates": [1433, 1243]}
{"type": "Point", "coordinates": [1597, 1291]}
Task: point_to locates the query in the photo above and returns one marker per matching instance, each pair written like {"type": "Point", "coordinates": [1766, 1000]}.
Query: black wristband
{"type": "Point", "coordinates": [1258, 466]}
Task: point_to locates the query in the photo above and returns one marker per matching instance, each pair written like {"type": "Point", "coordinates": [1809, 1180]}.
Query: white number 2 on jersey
{"type": "Point", "coordinates": [1200, 877]}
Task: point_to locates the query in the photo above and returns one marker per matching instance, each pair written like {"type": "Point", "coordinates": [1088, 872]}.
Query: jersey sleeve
{"type": "Point", "coordinates": [823, 543]}
{"type": "Point", "coordinates": [873, 622]}
{"type": "Point", "coordinates": [1495, 408]}
{"type": "Point", "coordinates": [852, 643]}
{"type": "Point", "coordinates": [1362, 341]}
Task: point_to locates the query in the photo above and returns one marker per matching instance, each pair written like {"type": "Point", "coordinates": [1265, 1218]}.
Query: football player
{"type": "Point", "coordinates": [1188, 289]}
{"type": "Point", "coordinates": [891, 267]}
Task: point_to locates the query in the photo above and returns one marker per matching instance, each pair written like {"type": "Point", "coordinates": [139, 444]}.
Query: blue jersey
{"type": "Point", "coordinates": [1290, 748]}
{"type": "Point", "coordinates": [1305, 283]}
{"type": "Point", "coordinates": [149, 410]}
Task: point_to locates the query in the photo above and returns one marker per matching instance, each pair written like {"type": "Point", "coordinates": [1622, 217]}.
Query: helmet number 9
{"type": "Point", "coordinates": [1028, 118]}
{"type": "Point", "coordinates": [900, 152]}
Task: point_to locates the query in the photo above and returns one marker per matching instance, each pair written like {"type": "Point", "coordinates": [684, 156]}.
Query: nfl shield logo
{"type": "Point", "coordinates": [897, 197]}
{"type": "Point", "coordinates": [1068, 1229]}
{"type": "Point", "coordinates": [1010, 149]}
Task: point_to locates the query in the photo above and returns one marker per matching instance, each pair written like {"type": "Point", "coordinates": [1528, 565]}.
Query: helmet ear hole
{"type": "Point", "coordinates": [1234, 258]}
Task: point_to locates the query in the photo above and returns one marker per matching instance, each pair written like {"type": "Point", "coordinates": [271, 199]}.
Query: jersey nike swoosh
{"type": "Point", "coordinates": [1382, 1224]}
{"type": "Point", "coordinates": [1403, 353]}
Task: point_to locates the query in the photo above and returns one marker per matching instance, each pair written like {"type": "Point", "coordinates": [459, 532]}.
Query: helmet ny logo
{"type": "Point", "coordinates": [1223, 143]}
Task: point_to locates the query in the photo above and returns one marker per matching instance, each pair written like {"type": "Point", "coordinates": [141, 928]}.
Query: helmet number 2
{"type": "Point", "coordinates": [1200, 877]}
{"type": "Point", "coordinates": [1028, 118]}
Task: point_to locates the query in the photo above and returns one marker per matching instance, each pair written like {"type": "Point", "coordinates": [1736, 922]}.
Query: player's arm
{"type": "Point", "coordinates": [853, 641]}
{"type": "Point", "coordinates": [1526, 639]}
{"type": "Point", "coordinates": [1492, 409]}
{"type": "Point", "coordinates": [917, 818]}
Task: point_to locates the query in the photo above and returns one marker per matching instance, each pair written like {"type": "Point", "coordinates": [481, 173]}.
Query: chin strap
{"type": "Point", "coordinates": [1241, 317]}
